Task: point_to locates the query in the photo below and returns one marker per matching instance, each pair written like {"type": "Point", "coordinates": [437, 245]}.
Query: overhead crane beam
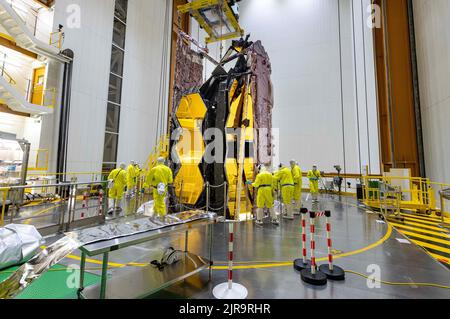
{"type": "Point", "coordinates": [196, 8]}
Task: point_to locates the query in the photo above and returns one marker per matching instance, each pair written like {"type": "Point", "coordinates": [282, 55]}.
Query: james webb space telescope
{"type": "Point", "coordinates": [237, 103]}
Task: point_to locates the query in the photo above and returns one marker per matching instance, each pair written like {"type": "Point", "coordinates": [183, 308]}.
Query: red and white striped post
{"type": "Point", "coordinates": [332, 271]}
{"type": "Point", "coordinates": [100, 202]}
{"type": "Point", "coordinates": [230, 255]}
{"type": "Point", "coordinates": [304, 250]}
{"type": "Point", "coordinates": [84, 205]}
{"type": "Point", "coordinates": [230, 289]}
{"type": "Point", "coordinates": [300, 264]}
{"type": "Point", "coordinates": [313, 242]}
{"type": "Point", "coordinates": [330, 255]}
{"type": "Point", "coordinates": [312, 275]}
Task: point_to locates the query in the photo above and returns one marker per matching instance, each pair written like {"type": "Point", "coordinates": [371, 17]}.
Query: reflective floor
{"type": "Point", "coordinates": [48, 213]}
{"type": "Point", "coordinates": [264, 258]}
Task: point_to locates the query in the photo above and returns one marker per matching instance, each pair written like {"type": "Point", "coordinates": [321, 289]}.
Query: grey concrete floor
{"type": "Point", "coordinates": [355, 230]}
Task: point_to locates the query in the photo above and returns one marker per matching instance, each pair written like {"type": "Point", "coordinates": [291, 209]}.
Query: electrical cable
{"type": "Point", "coordinates": [384, 282]}
{"type": "Point", "coordinates": [420, 284]}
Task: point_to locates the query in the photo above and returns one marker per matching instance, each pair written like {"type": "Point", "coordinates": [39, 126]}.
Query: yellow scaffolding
{"type": "Point", "coordinates": [415, 193]}
{"type": "Point", "coordinates": [213, 16]}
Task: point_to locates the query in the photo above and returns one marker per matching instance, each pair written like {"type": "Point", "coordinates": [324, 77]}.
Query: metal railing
{"type": "Point", "coordinates": [416, 193]}
{"type": "Point", "coordinates": [49, 95]}
{"type": "Point", "coordinates": [7, 76]}
{"type": "Point", "coordinates": [444, 195]}
{"type": "Point", "coordinates": [68, 206]}
{"type": "Point", "coordinates": [30, 18]}
{"type": "Point", "coordinates": [56, 39]}
{"type": "Point", "coordinates": [69, 176]}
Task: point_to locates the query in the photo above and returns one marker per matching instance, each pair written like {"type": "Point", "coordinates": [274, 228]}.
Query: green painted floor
{"type": "Point", "coordinates": [57, 283]}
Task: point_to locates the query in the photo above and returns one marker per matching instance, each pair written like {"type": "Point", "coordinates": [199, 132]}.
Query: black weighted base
{"type": "Point", "coordinates": [337, 273]}
{"type": "Point", "coordinates": [299, 265]}
{"type": "Point", "coordinates": [318, 279]}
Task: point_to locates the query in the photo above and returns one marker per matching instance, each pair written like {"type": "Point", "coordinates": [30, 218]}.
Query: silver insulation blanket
{"type": "Point", "coordinates": [53, 254]}
{"type": "Point", "coordinates": [18, 243]}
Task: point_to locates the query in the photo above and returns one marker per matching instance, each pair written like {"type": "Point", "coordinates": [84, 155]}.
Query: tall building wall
{"type": "Point", "coordinates": [433, 60]}
{"type": "Point", "coordinates": [324, 81]}
{"type": "Point", "coordinates": [91, 44]}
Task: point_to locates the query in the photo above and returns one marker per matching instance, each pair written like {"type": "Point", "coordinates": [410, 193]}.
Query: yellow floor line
{"type": "Point", "coordinates": [436, 240]}
{"type": "Point", "coordinates": [289, 264]}
{"type": "Point", "coordinates": [255, 266]}
{"type": "Point", "coordinates": [421, 221]}
{"type": "Point", "coordinates": [420, 230]}
{"type": "Point", "coordinates": [431, 246]}
{"type": "Point", "coordinates": [425, 226]}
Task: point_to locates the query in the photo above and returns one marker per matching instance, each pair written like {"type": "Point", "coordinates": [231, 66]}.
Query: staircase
{"type": "Point", "coordinates": [23, 36]}
{"type": "Point", "coordinates": [160, 150]}
{"type": "Point", "coordinates": [16, 102]}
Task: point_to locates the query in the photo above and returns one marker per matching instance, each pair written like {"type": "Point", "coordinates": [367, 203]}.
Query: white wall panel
{"type": "Point", "coordinates": [433, 57]}
{"type": "Point", "coordinates": [142, 79]}
{"type": "Point", "coordinates": [91, 44]}
{"type": "Point", "coordinates": [302, 39]}
{"type": "Point", "coordinates": [141, 85]}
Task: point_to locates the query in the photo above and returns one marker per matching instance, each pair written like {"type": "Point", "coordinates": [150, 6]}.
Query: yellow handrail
{"type": "Point", "coordinates": [9, 77]}
{"type": "Point", "coordinates": [417, 195]}
{"type": "Point", "coordinates": [58, 40]}
{"type": "Point", "coordinates": [160, 150]}
{"type": "Point", "coordinates": [37, 166]}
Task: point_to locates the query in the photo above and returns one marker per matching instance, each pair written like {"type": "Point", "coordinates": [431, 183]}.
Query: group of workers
{"type": "Point", "coordinates": [288, 181]}
{"type": "Point", "coordinates": [126, 178]}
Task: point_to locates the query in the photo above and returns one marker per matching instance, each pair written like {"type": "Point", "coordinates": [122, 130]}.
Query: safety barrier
{"type": "Point", "coordinates": [303, 263]}
{"type": "Point", "coordinates": [74, 177]}
{"type": "Point", "coordinates": [309, 271]}
{"type": "Point", "coordinates": [72, 205]}
{"type": "Point", "coordinates": [230, 289]}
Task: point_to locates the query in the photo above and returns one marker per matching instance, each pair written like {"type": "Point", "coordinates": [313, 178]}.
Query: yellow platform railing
{"type": "Point", "coordinates": [160, 150]}
{"type": "Point", "coordinates": [56, 39]}
{"type": "Point", "coordinates": [418, 194]}
{"type": "Point", "coordinates": [7, 76]}
{"type": "Point", "coordinates": [41, 161]}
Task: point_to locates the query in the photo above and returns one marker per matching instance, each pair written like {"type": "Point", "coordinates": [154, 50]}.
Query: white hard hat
{"type": "Point", "coordinates": [161, 160]}
{"type": "Point", "coordinates": [123, 165]}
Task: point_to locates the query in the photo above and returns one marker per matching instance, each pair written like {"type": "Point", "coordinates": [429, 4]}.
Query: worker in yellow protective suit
{"type": "Point", "coordinates": [132, 177]}
{"type": "Point", "coordinates": [117, 180]}
{"type": "Point", "coordinates": [264, 183]}
{"type": "Point", "coordinates": [284, 177]}
{"type": "Point", "coordinates": [159, 178]}
{"type": "Point", "coordinates": [314, 177]}
{"type": "Point", "coordinates": [298, 181]}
